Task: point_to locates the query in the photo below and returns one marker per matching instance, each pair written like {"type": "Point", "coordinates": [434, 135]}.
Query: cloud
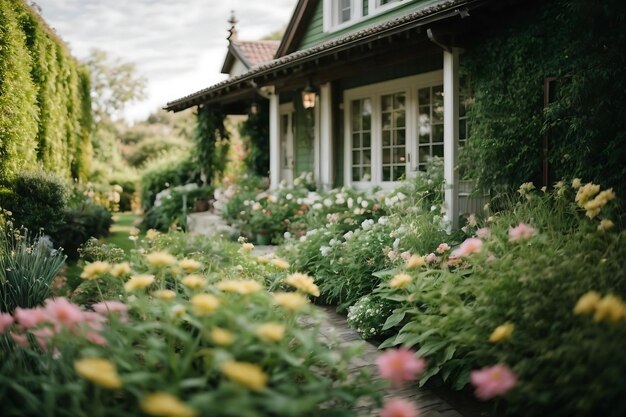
{"type": "Point", "coordinates": [179, 46]}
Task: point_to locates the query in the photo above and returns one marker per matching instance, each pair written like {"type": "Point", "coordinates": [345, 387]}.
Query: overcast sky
{"type": "Point", "coordinates": [178, 45]}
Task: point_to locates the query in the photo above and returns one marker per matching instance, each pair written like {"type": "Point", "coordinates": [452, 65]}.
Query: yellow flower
{"type": "Point", "coordinates": [204, 304]}
{"type": "Point", "coordinates": [303, 283]}
{"type": "Point", "coordinates": [415, 262]}
{"type": "Point", "coordinates": [222, 337]}
{"type": "Point", "coordinates": [400, 281]}
{"type": "Point", "coordinates": [121, 269]}
{"type": "Point", "coordinates": [501, 333]}
{"type": "Point", "coordinates": [134, 231]}
{"type": "Point", "coordinates": [271, 332]}
{"type": "Point", "coordinates": [610, 308]}
{"type": "Point", "coordinates": [152, 234]}
{"type": "Point", "coordinates": [247, 247]}
{"type": "Point", "coordinates": [160, 259]}
{"type": "Point", "coordinates": [576, 183]}
{"type": "Point", "coordinates": [280, 264]}
{"type": "Point", "coordinates": [605, 225]}
{"type": "Point", "coordinates": [164, 294]}
{"type": "Point", "coordinates": [100, 371]}
{"type": "Point", "coordinates": [189, 265]}
{"type": "Point", "coordinates": [586, 193]}
{"type": "Point", "coordinates": [138, 282]}
{"type": "Point", "coordinates": [245, 286]}
{"type": "Point", "coordinates": [247, 374]}
{"type": "Point", "coordinates": [162, 404]}
{"type": "Point", "coordinates": [587, 303]}
{"type": "Point", "coordinates": [262, 260]}
{"type": "Point", "coordinates": [526, 188]}
{"type": "Point", "coordinates": [193, 281]}
{"type": "Point", "coordinates": [95, 269]}
{"type": "Point", "coordinates": [290, 300]}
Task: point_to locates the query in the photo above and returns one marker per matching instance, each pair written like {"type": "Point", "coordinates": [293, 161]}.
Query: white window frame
{"type": "Point", "coordinates": [331, 12]}
{"type": "Point", "coordinates": [406, 85]}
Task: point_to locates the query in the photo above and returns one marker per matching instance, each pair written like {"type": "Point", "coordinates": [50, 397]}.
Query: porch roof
{"type": "Point", "coordinates": [283, 67]}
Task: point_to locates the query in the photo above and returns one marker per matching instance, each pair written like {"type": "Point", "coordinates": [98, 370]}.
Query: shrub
{"type": "Point", "coordinates": [168, 171]}
{"type": "Point", "coordinates": [368, 315]}
{"type": "Point", "coordinates": [172, 205]}
{"type": "Point", "coordinates": [37, 200]}
{"type": "Point", "coordinates": [27, 268]}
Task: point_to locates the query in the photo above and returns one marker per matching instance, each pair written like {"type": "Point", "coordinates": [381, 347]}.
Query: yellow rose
{"type": "Point", "coordinates": [95, 270]}
{"type": "Point", "coordinates": [204, 304]}
{"type": "Point", "coordinates": [100, 371]}
{"type": "Point", "coordinates": [164, 294]}
{"type": "Point", "coordinates": [502, 333]}
{"type": "Point", "coordinates": [244, 286]}
{"type": "Point", "coordinates": [587, 303]}
{"type": "Point", "coordinates": [400, 281]}
{"type": "Point", "coordinates": [271, 332]}
{"type": "Point", "coordinates": [280, 264]}
{"type": "Point", "coordinates": [610, 308]}
{"type": "Point", "coordinates": [138, 282]}
{"type": "Point", "coordinates": [605, 225]}
{"type": "Point", "coordinates": [247, 374]}
{"type": "Point", "coordinates": [162, 404]}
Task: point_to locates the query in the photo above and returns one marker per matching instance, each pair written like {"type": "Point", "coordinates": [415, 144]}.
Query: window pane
{"type": "Point", "coordinates": [356, 174]}
{"type": "Point", "coordinates": [437, 133]}
{"type": "Point", "coordinates": [366, 6]}
{"type": "Point", "coordinates": [400, 138]}
{"type": "Point", "coordinates": [424, 154]}
{"type": "Point", "coordinates": [356, 115]}
{"type": "Point", "coordinates": [366, 140]}
{"type": "Point", "coordinates": [386, 173]}
{"type": "Point", "coordinates": [356, 157]}
{"type": "Point", "coordinates": [399, 101]}
{"type": "Point", "coordinates": [356, 141]}
{"type": "Point", "coordinates": [367, 121]}
{"type": "Point", "coordinates": [386, 156]}
{"type": "Point", "coordinates": [367, 157]}
{"type": "Point", "coordinates": [386, 120]}
{"type": "Point", "coordinates": [400, 119]}
{"type": "Point", "coordinates": [424, 96]}
{"type": "Point", "coordinates": [386, 103]}
{"type": "Point", "coordinates": [386, 138]}
{"type": "Point", "coordinates": [438, 150]}
{"type": "Point", "coordinates": [367, 173]}
{"type": "Point", "coordinates": [399, 156]}
{"type": "Point", "coordinates": [398, 173]}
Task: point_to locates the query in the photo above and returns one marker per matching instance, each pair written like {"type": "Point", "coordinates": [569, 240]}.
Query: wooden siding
{"type": "Point", "coordinates": [304, 140]}
{"type": "Point", "coordinates": [314, 35]}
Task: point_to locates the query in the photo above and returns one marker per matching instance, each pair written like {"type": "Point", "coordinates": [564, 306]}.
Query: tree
{"type": "Point", "coordinates": [114, 84]}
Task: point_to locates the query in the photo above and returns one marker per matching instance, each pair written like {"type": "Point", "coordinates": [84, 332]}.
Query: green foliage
{"type": "Point", "coordinates": [211, 139]}
{"type": "Point", "coordinates": [582, 46]}
{"type": "Point", "coordinates": [44, 105]}
{"type": "Point", "coordinates": [255, 132]}
{"type": "Point", "coordinates": [165, 172]}
{"type": "Point", "coordinates": [368, 315]}
{"type": "Point", "coordinates": [37, 200]}
{"type": "Point", "coordinates": [173, 206]}
{"type": "Point", "coordinates": [27, 268]}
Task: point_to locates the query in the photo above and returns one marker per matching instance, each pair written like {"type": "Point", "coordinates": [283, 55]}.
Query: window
{"type": "Point", "coordinates": [339, 14]}
{"type": "Point", "coordinates": [430, 124]}
{"type": "Point", "coordinates": [393, 131]}
{"type": "Point", "coordinates": [362, 140]}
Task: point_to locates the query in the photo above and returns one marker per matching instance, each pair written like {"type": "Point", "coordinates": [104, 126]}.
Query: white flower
{"type": "Point", "coordinates": [256, 206]}
{"type": "Point", "coordinates": [287, 235]}
{"type": "Point", "coordinates": [317, 206]}
{"type": "Point", "coordinates": [364, 203]}
{"type": "Point", "coordinates": [348, 235]}
{"type": "Point", "coordinates": [328, 202]}
{"type": "Point", "coordinates": [400, 196]}
{"type": "Point", "coordinates": [383, 220]}
{"type": "Point", "coordinates": [302, 238]}
{"type": "Point", "coordinates": [367, 224]}
{"type": "Point", "coordinates": [289, 196]}
{"type": "Point", "coordinates": [325, 250]}
{"type": "Point", "coordinates": [333, 242]}
{"type": "Point", "coordinates": [350, 203]}
{"type": "Point", "coordinates": [396, 243]}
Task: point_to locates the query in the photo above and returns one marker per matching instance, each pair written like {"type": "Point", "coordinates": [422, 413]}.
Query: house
{"type": "Point", "coordinates": [363, 92]}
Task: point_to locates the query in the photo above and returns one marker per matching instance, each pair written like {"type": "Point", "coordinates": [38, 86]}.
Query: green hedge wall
{"type": "Point", "coordinates": [580, 42]}
{"type": "Point", "coordinates": [45, 106]}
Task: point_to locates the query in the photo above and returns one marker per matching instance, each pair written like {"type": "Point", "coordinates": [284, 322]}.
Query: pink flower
{"type": "Point", "coordinates": [443, 247]}
{"type": "Point", "coordinates": [30, 317]}
{"type": "Point", "coordinates": [96, 338]}
{"type": "Point", "coordinates": [111, 306]}
{"type": "Point", "coordinates": [431, 258]}
{"type": "Point", "coordinates": [5, 322]}
{"type": "Point", "coordinates": [400, 365]}
{"type": "Point", "coordinates": [19, 339]}
{"type": "Point", "coordinates": [93, 320]}
{"type": "Point", "coordinates": [406, 255]}
{"type": "Point", "coordinates": [398, 407]}
{"type": "Point", "coordinates": [521, 232]}
{"type": "Point", "coordinates": [471, 245]}
{"type": "Point", "coordinates": [493, 381]}
{"type": "Point", "coordinates": [483, 233]}
{"type": "Point", "coordinates": [63, 313]}
{"type": "Point", "coordinates": [43, 335]}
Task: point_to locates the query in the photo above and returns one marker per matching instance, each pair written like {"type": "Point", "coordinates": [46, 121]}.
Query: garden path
{"type": "Point", "coordinates": [334, 331]}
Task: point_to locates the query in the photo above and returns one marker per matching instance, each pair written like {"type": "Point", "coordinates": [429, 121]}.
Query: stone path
{"type": "Point", "coordinates": [334, 331]}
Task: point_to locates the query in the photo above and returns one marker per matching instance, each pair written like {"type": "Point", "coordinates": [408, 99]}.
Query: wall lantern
{"type": "Point", "coordinates": [254, 108]}
{"type": "Point", "coordinates": [308, 97]}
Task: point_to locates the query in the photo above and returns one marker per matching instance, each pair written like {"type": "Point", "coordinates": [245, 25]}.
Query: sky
{"type": "Point", "coordinates": [179, 46]}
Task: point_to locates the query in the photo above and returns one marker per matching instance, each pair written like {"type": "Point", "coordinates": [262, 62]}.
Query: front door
{"type": "Point", "coordinates": [286, 143]}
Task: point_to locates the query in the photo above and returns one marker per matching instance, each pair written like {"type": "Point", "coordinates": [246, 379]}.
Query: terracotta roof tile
{"type": "Point", "coordinates": [256, 52]}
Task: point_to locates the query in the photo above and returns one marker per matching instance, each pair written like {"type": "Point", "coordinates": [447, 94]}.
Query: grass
{"type": "Point", "coordinates": [118, 236]}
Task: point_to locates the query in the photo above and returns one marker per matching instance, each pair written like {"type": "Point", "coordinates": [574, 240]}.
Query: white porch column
{"type": "Point", "coordinates": [326, 135]}
{"type": "Point", "coordinates": [274, 141]}
{"type": "Point", "coordinates": [451, 89]}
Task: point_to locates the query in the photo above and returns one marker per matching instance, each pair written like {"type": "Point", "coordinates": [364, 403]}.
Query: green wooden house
{"type": "Point", "coordinates": [363, 92]}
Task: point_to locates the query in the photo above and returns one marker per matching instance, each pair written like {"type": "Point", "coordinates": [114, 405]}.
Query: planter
{"type": "Point", "coordinates": [263, 238]}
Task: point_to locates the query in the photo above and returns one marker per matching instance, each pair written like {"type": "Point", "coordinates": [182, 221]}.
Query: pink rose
{"type": "Point", "coordinates": [493, 381]}
{"type": "Point", "coordinates": [400, 365]}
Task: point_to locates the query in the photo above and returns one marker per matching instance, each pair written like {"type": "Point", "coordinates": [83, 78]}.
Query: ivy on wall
{"type": "Point", "coordinates": [211, 140]}
{"type": "Point", "coordinates": [256, 131]}
{"type": "Point", "coordinates": [582, 45]}
{"type": "Point", "coordinates": [45, 105]}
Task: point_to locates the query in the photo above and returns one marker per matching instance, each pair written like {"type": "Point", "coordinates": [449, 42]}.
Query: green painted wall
{"type": "Point", "coordinates": [304, 139]}
{"type": "Point", "coordinates": [315, 34]}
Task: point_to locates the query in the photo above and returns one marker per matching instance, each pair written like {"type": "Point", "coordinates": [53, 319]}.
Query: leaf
{"type": "Point", "coordinates": [394, 320]}
{"type": "Point", "coordinates": [386, 273]}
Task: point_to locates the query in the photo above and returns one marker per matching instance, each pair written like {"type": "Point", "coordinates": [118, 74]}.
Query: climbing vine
{"type": "Point", "coordinates": [211, 139]}
{"type": "Point", "coordinates": [255, 130]}
{"type": "Point", "coordinates": [581, 45]}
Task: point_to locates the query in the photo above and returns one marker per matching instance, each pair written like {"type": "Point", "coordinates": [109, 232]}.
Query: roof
{"type": "Point", "coordinates": [429, 14]}
{"type": "Point", "coordinates": [295, 29]}
{"type": "Point", "coordinates": [250, 53]}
